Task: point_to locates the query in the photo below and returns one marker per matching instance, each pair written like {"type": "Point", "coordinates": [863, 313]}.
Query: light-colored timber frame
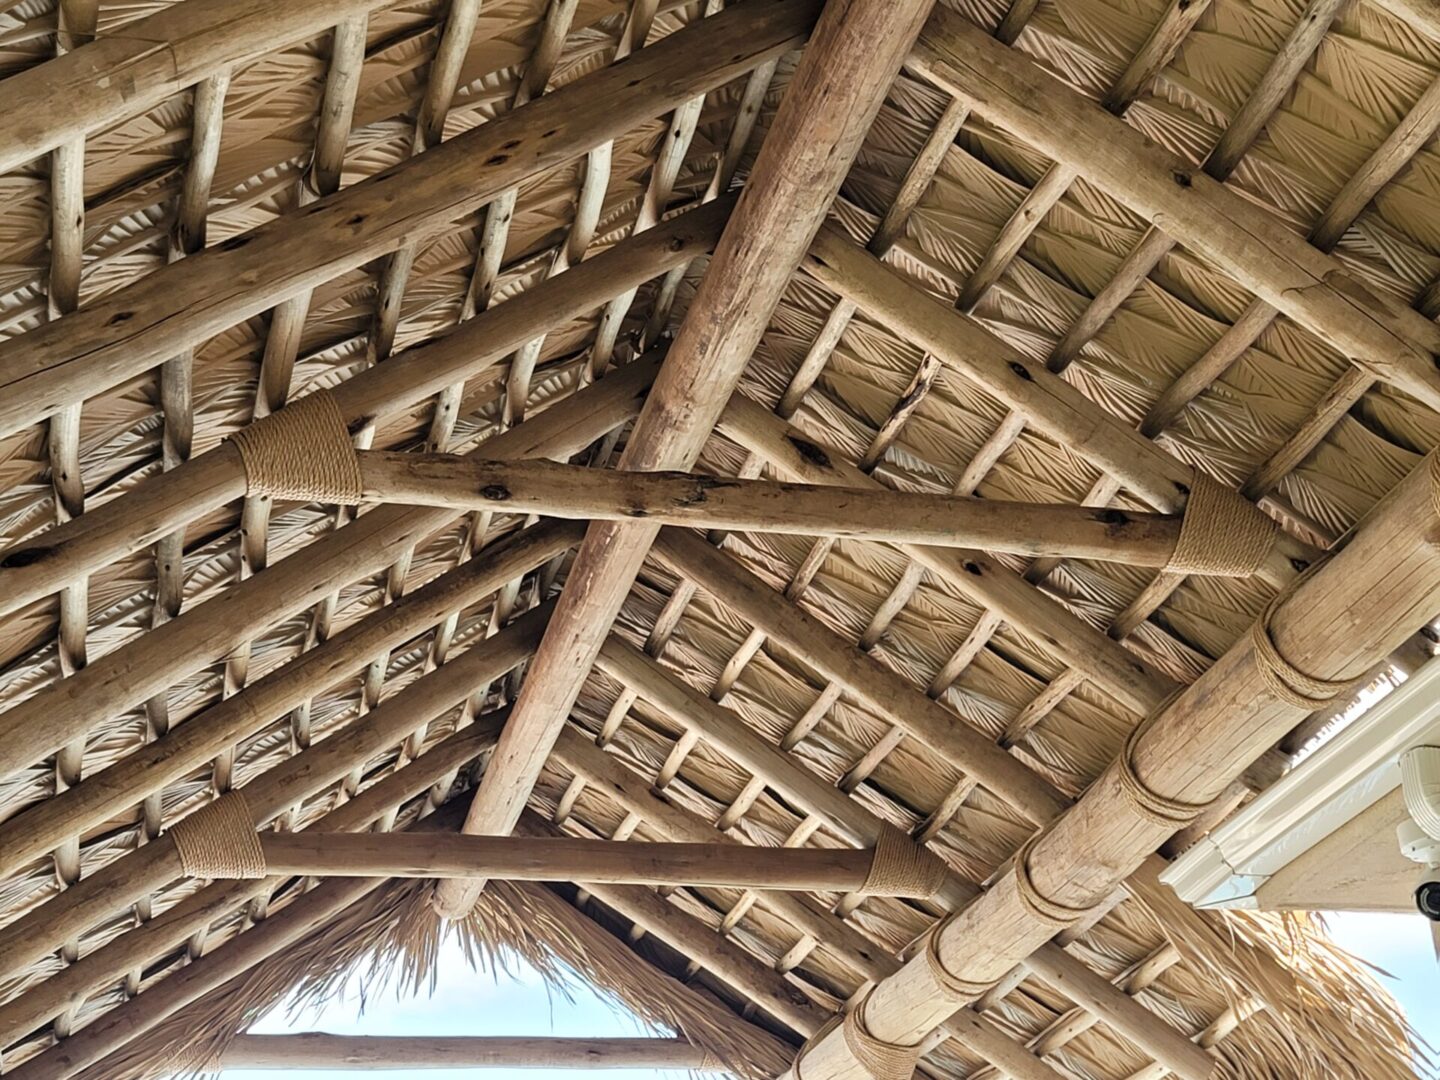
{"type": "Point", "coordinates": [664, 395]}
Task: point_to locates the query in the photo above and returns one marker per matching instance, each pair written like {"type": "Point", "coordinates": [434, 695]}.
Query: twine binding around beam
{"type": "Point", "coordinates": [1150, 804]}
{"type": "Point", "coordinates": [1044, 908]}
{"type": "Point", "coordinates": [901, 867]}
{"type": "Point", "coordinates": [1221, 534]}
{"type": "Point", "coordinates": [219, 841]}
{"type": "Point", "coordinates": [302, 452]}
{"type": "Point", "coordinates": [880, 1060]}
{"type": "Point", "coordinates": [953, 985]}
{"type": "Point", "coordinates": [1282, 678]}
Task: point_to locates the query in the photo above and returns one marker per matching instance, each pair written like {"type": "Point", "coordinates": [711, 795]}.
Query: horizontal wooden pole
{"type": "Point", "coordinates": [320, 1050]}
{"type": "Point", "coordinates": [514, 858]}
{"type": "Point", "coordinates": [672, 498]}
{"type": "Point", "coordinates": [132, 330]}
{"type": "Point", "coordinates": [109, 792]}
{"type": "Point", "coordinates": [141, 945]}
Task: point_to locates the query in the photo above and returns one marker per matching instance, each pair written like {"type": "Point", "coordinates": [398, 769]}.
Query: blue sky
{"type": "Point", "coordinates": [468, 1002]}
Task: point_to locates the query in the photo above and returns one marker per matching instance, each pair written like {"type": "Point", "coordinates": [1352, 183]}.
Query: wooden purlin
{"type": "Point", "coordinates": [321, 1051]}
{"type": "Point", "coordinates": [838, 86]}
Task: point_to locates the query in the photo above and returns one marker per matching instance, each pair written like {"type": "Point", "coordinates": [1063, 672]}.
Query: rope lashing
{"type": "Point", "coordinates": [1045, 908]}
{"type": "Point", "coordinates": [1282, 678]}
{"type": "Point", "coordinates": [955, 986]}
{"type": "Point", "coordinates": [882, 1060]}
{"type": "Point", "coordinates": [302, 452]}
{"type": "Point", "coordinates": [1156, 808]}
{"type": "Point", "coordinates": [901, 867]}
{"type": "Point", "coordinates": [219, 841]}
{"type": "Point", "coordinates": [1221, 534]}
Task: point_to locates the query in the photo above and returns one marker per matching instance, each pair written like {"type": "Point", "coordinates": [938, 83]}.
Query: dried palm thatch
{"type": "Point", "coordinates": [489, 231]}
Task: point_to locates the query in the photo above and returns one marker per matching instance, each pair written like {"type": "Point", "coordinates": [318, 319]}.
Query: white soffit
{"type": "Point", "coordinates": [1342, 778]}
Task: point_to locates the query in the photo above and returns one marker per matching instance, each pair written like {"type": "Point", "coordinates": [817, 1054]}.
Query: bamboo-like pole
{"type": "Point", "coordinates": [836, 91]}
{"type": "Point", "coordinates": [140, 669]}
{"type": "Point", "coordinates": [174, 307]}
{"type": "Point", "coordinates": [41, 566]}
{"type": "Point", "coordinates": [1247, 242]}
{"type": "Point", "coordinates": [570, 491]}
{"type": "Point", "coordinates": [323, 1051]}
{"type": "Point", "coordinates": [512, 858]}
{"type": "Point", "coordinates": [1351, 611]}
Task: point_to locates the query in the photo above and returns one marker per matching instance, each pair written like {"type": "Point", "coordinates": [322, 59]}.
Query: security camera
{"type": "Point", "coordinates": [1427, 893]}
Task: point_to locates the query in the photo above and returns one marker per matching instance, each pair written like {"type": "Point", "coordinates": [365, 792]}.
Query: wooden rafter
{"type": "Point", "coordinates": [321, 1051]}
{"type": "Point", "coordinates": [835, 92]}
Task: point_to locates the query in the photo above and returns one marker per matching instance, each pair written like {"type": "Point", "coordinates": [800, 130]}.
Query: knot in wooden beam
{"type": "Point", "coordinates": [302, 452]}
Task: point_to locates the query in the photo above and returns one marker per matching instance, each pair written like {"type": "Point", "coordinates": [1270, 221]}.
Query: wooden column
{"type": "Point", "coordinates": [829, 105]}
{"type": "Point", "coordinates": [177, 306]}
{"type": "Point", "coordinates": [1244, 240]}
{"type": "Point", "coordinates": [1358, 606]}
{"type": "Point", "coordinates": [322, 1051]}
{"type": "Point", "coordinates": [550, 489]}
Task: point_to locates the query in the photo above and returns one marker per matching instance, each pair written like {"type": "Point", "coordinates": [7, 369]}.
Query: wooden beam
{"type": "Point", "coordinates": [126, 333]}
{"type": "Point", "coordinates": [832, 98]}
{"type": "Point", "coordinates": [125, 74]}
{"type": "Point", "coordinates": [1339, 620]}
{"type": "Point", "coordinates": [1245, 241]}
{"type": "Point", "coordinates": [320, 1050]}
{"type": "Point", "coordinates": [132, 673]}
{"type": "Point", "coordinates": [36, 568]}
{"type": "Point", "coordinates": [878, 513]}
{"type": "Point", "coordinates": [147, 870]}
{"type": "Point", "coordinates": [512, 858]}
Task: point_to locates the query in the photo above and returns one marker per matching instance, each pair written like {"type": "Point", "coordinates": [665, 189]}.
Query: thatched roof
{"type": "Point", "coordinates": [477, 233]}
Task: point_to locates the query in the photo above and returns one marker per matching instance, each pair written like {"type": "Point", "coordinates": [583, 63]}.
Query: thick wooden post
{"type": "Point", "coordinates": [835, 93]}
